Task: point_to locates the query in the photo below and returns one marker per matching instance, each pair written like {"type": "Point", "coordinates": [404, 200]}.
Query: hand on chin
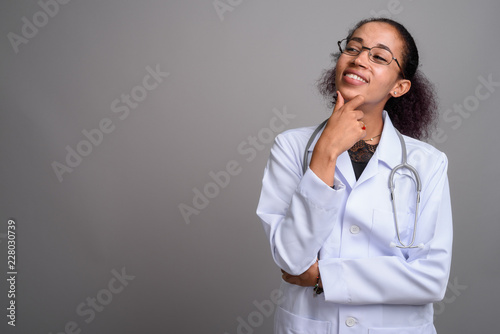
{"type": "Point", "coordinates": [349, 94]}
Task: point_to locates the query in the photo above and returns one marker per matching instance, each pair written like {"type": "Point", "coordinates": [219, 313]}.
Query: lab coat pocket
{"type": "Point", "coordinates": [425, 329]}
{"type": "Point", "coordinates": [289, 323]}
{"type": "Point", "coordinates": [383, 237]}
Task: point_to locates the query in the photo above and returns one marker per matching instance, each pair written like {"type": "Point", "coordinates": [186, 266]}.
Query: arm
{"type": "Point", "coordinates": [298, 212]}
{"type": "Point", "coordinates": [421, 279]}
{"type": "Point", "coordinates": [341, 132]}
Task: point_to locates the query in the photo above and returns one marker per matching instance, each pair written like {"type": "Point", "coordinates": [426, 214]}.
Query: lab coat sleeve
{"type": "Point", "coordinates": [298, 212]}
{"type": "Point", "coordinates": [420, 279]}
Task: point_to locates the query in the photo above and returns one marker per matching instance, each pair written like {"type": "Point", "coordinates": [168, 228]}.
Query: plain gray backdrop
{"type": "Point", "coordinates": [102, 245]}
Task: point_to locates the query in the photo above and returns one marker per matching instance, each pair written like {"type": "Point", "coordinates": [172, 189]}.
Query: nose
{"type": "Point", "coordinates": [362, 58]}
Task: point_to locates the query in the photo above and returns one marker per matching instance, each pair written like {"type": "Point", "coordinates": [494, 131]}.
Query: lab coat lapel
{"type": "Point", "coordinates": [371, 169]}
{"type": "Point", "coordinates": [345, 169]}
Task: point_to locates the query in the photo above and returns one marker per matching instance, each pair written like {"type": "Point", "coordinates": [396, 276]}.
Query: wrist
{"type": "Point", "coordinates": [318, 288]}
{"type": "Point", "coordinates": [326, 150]}
{"type": "Point", "coordinates": [324, 169]}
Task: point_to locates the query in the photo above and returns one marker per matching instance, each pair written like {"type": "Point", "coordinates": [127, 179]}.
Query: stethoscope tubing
{"type": "Point", "coordinates": [404, 164]}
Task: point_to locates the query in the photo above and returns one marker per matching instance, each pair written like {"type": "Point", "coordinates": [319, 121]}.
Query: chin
{"type": "Point", "coordinates": [349, 94]}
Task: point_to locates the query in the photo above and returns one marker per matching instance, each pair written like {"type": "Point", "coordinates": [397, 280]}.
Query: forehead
{"type": "Point", "coordinates": [376, 33]}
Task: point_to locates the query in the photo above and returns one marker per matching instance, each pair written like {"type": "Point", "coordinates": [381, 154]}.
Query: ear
{"type": "Point", "coordinates": [401, 87]}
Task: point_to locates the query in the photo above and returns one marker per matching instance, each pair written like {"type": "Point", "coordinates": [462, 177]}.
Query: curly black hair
{"type": "Point", "coordinates": [414, 113]}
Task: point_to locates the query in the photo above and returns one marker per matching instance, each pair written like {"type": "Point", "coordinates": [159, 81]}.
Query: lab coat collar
{"type": "Point", "coordinates": [389, 148]}
{"type": "Point", "coordinates": [388, 151]}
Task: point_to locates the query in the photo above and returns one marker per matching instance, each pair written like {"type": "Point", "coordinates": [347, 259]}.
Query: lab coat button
{"type": "Point", "coordinates": [354, 229]}
{"type": "Point", "coordinates": [350, 322]}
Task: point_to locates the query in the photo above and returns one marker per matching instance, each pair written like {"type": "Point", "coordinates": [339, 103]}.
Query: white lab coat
{"type": "Point", "coordinates": [369, 286]}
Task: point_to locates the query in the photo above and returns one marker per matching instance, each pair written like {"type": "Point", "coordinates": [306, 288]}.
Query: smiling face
{"type": "Point", "coordinates": [358, 75]}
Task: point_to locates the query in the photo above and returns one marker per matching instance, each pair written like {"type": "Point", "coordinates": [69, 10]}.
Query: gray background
{"type": "Point", "coordinates": [119, 208]}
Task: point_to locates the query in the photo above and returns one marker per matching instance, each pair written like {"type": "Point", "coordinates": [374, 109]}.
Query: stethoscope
{"type": "Point", "coordinates": [404, 164]}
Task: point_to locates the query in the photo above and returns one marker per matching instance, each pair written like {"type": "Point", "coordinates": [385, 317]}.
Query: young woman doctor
{"type": "Point", "coordinates": [353, 260]}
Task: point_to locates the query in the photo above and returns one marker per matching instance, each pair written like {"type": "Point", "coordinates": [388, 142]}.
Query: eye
{"type": "Point", "coordinates": [353, 48]}
{"type": "Point", "coordinates": [381, 56]}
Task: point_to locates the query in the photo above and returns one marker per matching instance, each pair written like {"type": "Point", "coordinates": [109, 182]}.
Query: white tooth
{"type": "Point", "coordinates": [355, 77]}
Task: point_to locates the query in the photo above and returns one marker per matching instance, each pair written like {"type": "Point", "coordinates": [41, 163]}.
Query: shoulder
{"type": "Point", "coordinates": [290, 146]}
{"type": "Point", "coordinates": [295, 139]}
{"type": "Point", "coordinates": [425, 157]}
{"type": "Point", "coordinates": [423, 148]}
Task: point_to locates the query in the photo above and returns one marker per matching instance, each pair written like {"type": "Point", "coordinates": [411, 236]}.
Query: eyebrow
{"type": "Point", "coordinates": [359, 39]}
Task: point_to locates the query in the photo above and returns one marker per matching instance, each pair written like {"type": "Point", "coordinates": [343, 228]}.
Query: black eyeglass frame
{"type": "Point", "coordinates": [370, 54]}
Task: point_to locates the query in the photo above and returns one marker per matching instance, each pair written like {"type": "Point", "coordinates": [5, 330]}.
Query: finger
{"type": "Point", "coordinates": [363, 130]}
{"type": "Point", "coordinates": [340, 102]}
{"type": "Point", "coordinates": [294, 280]}
{"type": "Point", "coordinates": [358, 115]}
{"type": "Point", "coordinates": [355, 102]}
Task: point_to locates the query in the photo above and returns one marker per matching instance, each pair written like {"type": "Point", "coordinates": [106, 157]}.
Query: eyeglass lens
{"type": "Point", "coordinates": [377, 55]}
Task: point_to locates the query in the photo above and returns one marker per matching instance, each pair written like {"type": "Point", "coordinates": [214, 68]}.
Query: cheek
{"type": "Point", "coordinates": [339, 68]}
{"type": "Point", "coordinates": [337, 76]}
{"type": "Point", "coordinates": [385, 79]}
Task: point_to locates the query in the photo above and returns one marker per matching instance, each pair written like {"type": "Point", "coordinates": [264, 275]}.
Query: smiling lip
{"type": "Point", "coordinates": [354, 77]}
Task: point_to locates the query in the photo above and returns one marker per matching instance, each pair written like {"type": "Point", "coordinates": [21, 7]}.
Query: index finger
{"type": "Point", "coordinates": [351, 104]}
{"type": "Point", "coordinates": [355, 102]}
{"type": "Point", "coordinates": [340, 101]}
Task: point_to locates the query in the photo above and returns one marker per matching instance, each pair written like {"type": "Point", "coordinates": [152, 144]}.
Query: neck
{"type": "Point", "coordinates": [374, 124]}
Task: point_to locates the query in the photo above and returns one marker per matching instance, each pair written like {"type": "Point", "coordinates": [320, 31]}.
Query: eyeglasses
{"type": "Point", "coordinates": [377, 54]}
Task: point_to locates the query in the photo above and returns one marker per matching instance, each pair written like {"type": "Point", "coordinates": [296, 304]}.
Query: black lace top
{"type": "Point", "coordinates": [360, 154]}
